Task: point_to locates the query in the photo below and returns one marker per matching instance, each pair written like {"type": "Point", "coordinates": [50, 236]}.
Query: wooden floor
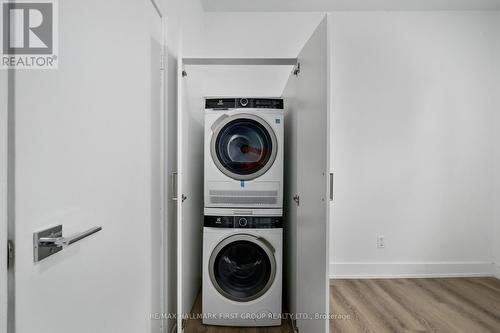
{"type": "Point", "coordinates": [416, 305]}
{"type": "Point", "coordinates": [458, 305]}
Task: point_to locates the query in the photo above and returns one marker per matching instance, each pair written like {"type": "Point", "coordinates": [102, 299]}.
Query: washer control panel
{"type": "Point", "coordinates": [255, 222]}
{"type": "Point", "coordinates": [243, 102]}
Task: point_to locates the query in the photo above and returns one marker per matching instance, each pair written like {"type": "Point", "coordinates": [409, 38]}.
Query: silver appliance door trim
{"type": "Point", "coordinates": [213, 151]}
{"type": "Point", "coordinates": [264, 245]}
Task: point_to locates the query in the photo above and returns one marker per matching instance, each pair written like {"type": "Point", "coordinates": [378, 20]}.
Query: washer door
{"type": "Point", "coordinates": [242, 267]}
{"type": "Point", "coordinates": [243, 146]}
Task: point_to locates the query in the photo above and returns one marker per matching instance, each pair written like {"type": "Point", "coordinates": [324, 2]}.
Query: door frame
{"type": "Point", "coordinates": [329, 155]}
{"type": "Point", "coordinates": [4, 161]}
{"type": "Point", "coordinates": [164, 267]}
{"type": "Point", "coordinates": [179, 195]}
{"type": "Point", "coordinates": [7, 232]}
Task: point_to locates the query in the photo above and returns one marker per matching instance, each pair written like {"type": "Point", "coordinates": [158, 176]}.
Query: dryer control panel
{"type": "Point", "coordinates": [255, 222]}
{"type": "Point", "coordinates": [243, 102]}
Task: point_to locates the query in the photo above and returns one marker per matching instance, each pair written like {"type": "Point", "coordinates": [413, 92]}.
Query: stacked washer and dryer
{"type": "Point", "coordinates": [243, 194]}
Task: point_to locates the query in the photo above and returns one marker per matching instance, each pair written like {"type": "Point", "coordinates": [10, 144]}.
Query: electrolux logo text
{"type": "Point", "coordinates": [29, 34]}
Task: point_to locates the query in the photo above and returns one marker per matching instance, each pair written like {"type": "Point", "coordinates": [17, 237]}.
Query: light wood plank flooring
{"type": "Point", "coordinates": [457, 305]}
{"type": "Point", "coordinates": [468, 305]}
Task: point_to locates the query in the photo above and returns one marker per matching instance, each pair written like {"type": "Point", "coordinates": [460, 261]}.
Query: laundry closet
{"type": "Point", "coordinates": [184, 169]}
{"type": "Point", "coordinates": [274, 206]}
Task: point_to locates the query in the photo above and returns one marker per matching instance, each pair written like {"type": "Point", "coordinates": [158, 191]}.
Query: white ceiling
{"type": "Point", "coordinates": [332, 5]}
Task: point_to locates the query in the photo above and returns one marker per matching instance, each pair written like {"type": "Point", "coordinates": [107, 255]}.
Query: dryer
{"type": "Point", "coordinates": [243, 153]}
{"type": "Point", "coordinates": [242, 270]}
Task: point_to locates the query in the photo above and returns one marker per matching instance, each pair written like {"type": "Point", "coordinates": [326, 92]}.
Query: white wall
{"type": "Point", "coordinates": [413, 96]}
{"type": "Point", "coordinates": [253, 35]}
{"type": "Point", "coordinates": [185, 18]}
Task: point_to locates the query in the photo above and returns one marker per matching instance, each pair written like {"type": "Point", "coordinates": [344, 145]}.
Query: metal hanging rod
{"type": "Point", "coordinates": [241, 61]}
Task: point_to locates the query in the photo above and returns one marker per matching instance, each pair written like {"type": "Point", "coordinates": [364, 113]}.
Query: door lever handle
{"type": "Point", "coordinates": [60, 241]}
{"type": "Point", "coordinates": [50, 241]}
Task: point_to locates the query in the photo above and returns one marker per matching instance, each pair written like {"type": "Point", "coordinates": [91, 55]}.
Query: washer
{"type": "Point", "coordinates": [242, 270]}
{"type": "Point", "coordinates": [243, 153]}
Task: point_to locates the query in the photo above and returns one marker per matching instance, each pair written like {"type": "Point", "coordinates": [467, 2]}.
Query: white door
{"type": "Point", "coordinates": [313, 180]}
{"type": "Point", "coordinates": [190, 133]}
{"type": "Point", "coordinates": [87, 140]}
{"type": "Point", "coordinates": [307, 134]}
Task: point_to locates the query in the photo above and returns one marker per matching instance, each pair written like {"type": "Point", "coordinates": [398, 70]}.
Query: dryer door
{"type": "Point", "coordinates": [242, 267]}
{"type": "Point", "coordinates": [243, 146]}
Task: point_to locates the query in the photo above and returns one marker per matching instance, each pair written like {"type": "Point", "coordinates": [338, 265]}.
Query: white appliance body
{"type": "Point", "coordinates": [243, 158]}
{"type": "Point", "coordinates": [233, 281]}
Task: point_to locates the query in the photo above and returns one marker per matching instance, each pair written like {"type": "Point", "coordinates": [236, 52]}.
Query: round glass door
{"type": "Point", "coordinates": [243, 147]}
{"type": "Point", "coordinates": [242, 268]}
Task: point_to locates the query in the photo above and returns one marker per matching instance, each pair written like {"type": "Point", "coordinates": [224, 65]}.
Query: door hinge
{"type": "Point", "coordinates": [183, 323]}
{"type": "Point", "coordinates": [10, 254]}
{"type": "Point", "coordinates": [174, 185]}
{"type": "Point", "coordinates": [296, 70]}
{"type": "Point", "coordinates": [331, 186]}
{"type": "Point", "coordinates": [296, 198]}
{"type": "Point", "coordinates": [162, 62]}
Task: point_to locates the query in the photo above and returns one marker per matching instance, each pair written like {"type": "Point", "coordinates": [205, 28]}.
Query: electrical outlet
{"type": "Point", "coordinates": [381, 242]}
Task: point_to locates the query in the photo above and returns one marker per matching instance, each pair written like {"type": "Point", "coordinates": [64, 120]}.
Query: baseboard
{"type": "Point", "coordinates": [358, 270]}
{"type": "Point", "coordinates": [496, 270]}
